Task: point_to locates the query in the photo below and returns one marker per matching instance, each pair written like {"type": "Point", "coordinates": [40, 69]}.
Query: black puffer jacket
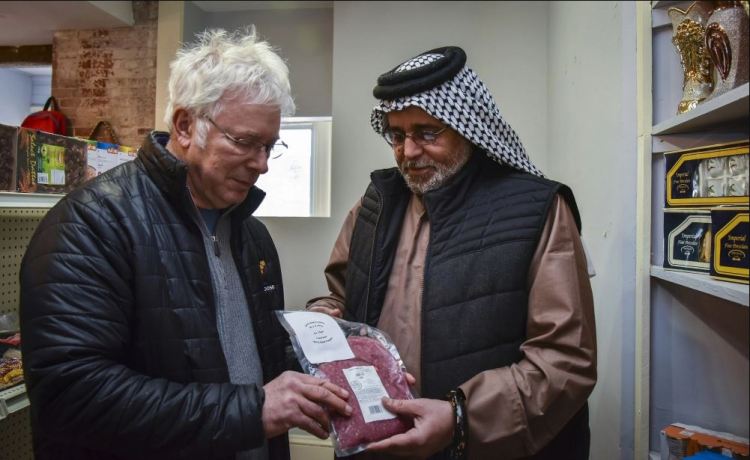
{"type": "Point", "coordinates": [121, 351]}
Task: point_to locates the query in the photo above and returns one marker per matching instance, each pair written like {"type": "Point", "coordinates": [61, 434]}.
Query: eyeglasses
{"type": "Point", "coordinates": [396, 137]}
{"type": "Point", "coordinates": [250, 145]}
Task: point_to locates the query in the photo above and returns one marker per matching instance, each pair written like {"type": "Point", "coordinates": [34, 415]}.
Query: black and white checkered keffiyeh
{"type": "Point", "coordinates": [465, 104]}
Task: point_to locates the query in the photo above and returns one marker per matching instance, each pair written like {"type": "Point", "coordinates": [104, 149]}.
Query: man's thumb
{"type": "Point", "coordinates": [400, 406]}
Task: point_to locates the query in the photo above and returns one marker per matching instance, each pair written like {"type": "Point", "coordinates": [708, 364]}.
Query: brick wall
{"type": "Point", "coordinates": [109, 74]}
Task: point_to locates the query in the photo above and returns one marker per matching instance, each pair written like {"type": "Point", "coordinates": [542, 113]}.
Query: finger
{"type": "Point", "coordinates": [395, 444]}
{"type": "Point", "coordinates": [335, 389]}
{"type": "Point", "coordinates": [327, 384]}
{"type": "Point", "coordinates": [314, 412]}
{"type": "Point", "coordinates": [319, 309]}
{"type": "Point", "coordinates": [322, 395]}
{"type": "Point", "coordinates": [313, 427]}
{"type": "Point", "coordinates": [407, 407]}
{"type": "Point", "coordinates": [326, 310]}
{"type": "Point", "coordinates": [410, 379]}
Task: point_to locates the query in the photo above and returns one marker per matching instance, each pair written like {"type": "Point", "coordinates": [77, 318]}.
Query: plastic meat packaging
{"type": "Point", "coordinates": [360, 359]}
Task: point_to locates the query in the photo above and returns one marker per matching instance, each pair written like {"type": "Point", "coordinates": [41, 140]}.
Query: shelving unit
{"type": "Point", "coordinates": [728, 107]}
{"type": "Point", "coordinates": [692, 330]}
{"type": "Point", "coordinates": [28, 200]}
{"type": "Point", "coordinates": [12, 400]}
{"type": "Point", "coordinates": [733, 292]}
{"type": "Point", "coordinates": [20, 214]}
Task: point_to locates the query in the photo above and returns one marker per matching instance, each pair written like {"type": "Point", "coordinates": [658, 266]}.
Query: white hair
{"type": "Point", "coordinates": [220, 63]}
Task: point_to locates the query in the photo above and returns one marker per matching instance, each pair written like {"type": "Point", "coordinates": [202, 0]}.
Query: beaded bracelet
{"type": "Point", "coordinates": [457, 450]}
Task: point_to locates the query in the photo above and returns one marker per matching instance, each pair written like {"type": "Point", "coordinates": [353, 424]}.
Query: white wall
{"type": "Point", "coordinates": [15, 94]}
{"type": "Point", "coordinates": [41, 89]}
{"type": "Point", "coordinates": [506, 45]}
{"type": "Point", "coordinates": [592, 141]}
{"type": "Point", "coordinates": [303, 37]}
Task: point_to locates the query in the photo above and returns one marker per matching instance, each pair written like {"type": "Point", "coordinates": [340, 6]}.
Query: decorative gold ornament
{"type": "Point", "coordinates": [727, 45]}
{"type": "Point", "coordinates": [688, 37]}
{"type": "Point", "coordinates": [719, 49]}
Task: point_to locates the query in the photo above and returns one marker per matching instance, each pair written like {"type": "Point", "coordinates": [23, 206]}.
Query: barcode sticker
{"type": "Point", "coordinates": [369, 391]}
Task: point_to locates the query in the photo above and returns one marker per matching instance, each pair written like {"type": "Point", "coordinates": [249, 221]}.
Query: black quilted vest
{"type": "Point", "coordinates": [484, 229]}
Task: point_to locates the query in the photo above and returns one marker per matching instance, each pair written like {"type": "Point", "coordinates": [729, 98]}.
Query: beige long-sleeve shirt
{"type": "Point", "coordinates": [515, 410]}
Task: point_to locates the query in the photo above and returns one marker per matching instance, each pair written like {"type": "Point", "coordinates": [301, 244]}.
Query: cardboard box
{"type": "Point", "coordinates": [8, 147]}
{"type": "Point", "coordinates": [707, 176]}
{"type": "Point", "coordinates": [729, 260]}
{"type": "Point", "coordinates": [126, 154]}
{"type": "Point", "coordinates": [108, 156]}
{"type": "Point", "coordinates": [101, 157]}
{"type": "Point", "coordinates": [679, 441]}
{"type": "Point", "coordinates": [687, 239]}
{"type": "Point", "coordinates": [92, 159]}
{"type": "Point", "coordinates": [49, 163]}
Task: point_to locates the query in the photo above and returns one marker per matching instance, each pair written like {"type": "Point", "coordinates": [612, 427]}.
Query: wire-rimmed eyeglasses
{"type": "Point", "coordinates": [426, 136]}
{"type": "Point", "coordinates": [250, 145]}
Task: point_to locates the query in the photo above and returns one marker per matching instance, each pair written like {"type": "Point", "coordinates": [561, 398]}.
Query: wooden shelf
{"type": "Point", "coordinates": [28, 200]}
{"type": "Point", "coordinates": [733, 292]}
{"type": "Point", "coordinates": [730, 106]}
{"type": "Point", "coordinates": [13, 399]}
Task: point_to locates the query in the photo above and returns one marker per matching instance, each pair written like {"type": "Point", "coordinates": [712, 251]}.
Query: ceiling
{"type": "Point", "coordinates": [34, 23]}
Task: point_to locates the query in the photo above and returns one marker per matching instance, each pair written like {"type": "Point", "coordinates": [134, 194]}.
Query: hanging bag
{"type": "Point", "coordinates": [49, 119]}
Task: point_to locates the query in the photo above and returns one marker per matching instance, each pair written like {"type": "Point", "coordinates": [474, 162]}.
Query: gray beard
{"type": "Point", "coordinates": [443, 172]}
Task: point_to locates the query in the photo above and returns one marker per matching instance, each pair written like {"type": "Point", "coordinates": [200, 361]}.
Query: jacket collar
{"type": "Point", "coordinates": [169, 173]}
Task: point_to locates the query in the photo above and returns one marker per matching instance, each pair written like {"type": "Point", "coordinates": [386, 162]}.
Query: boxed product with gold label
{"type": "Point", "coordinates": [687, 239]}
{"type": "Point", "coordinates": [8, 145]}
{"type": "Point", "coordinates": [49, 163]}
{"type": "Point", "coordinates": [126, 154]}
{"type": "Point", "coordinates": [729, 260]}
{"type": "Point", "coordinates": [707, 176]}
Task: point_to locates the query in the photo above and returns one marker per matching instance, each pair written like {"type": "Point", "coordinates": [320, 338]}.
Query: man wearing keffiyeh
{"type": "Point", "coordinates": [473, 263]}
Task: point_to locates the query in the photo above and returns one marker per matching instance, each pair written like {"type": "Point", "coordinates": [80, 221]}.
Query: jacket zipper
{"type": "Point", "coordinates": [372, 255]}
{"type": "Point", "coordinates": [421, 307]}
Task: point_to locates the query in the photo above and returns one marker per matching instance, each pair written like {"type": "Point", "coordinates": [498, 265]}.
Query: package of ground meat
{"type": "Point", "coordinates": [360, 359]}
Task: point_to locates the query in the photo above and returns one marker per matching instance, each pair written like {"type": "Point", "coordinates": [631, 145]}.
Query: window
{"type": "Point", "coordinates": [298, 183]}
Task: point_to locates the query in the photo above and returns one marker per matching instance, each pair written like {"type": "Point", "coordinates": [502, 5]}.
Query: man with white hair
{"type": "Point", "coordinates": [472, 263]}
{"type": "Point", "coordinates": [148, 294]}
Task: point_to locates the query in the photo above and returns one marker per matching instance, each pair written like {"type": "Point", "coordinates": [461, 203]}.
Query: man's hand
{"type": "Point", "coordinates": [433, 428]}
{"type": "Point", "coordinates": [296, 400]}
{"type": "Point", "coordinates": [335, 312]}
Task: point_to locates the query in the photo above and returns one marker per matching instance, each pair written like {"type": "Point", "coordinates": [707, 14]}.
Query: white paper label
{"type": "Point", "coordinates": [58, 177]}
{"type": "Point", "coordinates": [320, 337]}
{"type": "Point", "coordinates": [369, 391]}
